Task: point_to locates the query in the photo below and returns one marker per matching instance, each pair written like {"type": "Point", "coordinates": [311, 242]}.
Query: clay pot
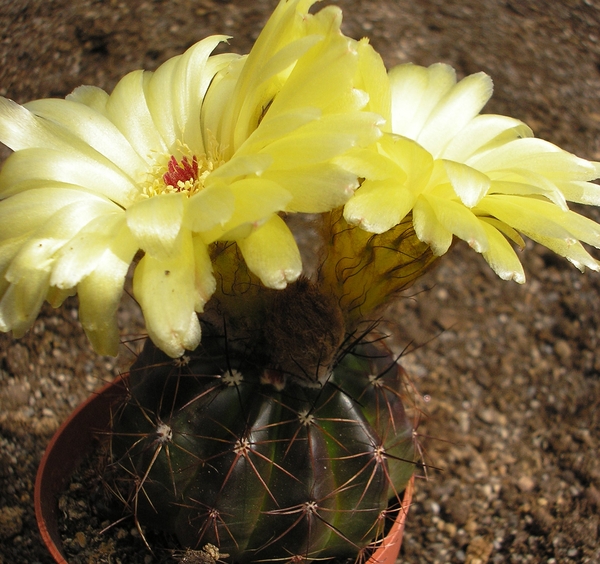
{"type": "Point", "coordinates": [69, 446]}
{"type": "Point", "coordinates": [76, 438]}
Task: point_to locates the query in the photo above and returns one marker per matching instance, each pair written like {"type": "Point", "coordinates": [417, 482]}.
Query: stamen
{"type": "Point", "coordinates": [184, 175]}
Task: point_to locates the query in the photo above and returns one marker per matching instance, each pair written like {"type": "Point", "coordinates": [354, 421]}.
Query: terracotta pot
{"type": "Point", "coordinates": [387, 553]}
{"type": "Point", "coordinates": [73, 441]}
{"type": "Point", "coordinates": [76, 438]}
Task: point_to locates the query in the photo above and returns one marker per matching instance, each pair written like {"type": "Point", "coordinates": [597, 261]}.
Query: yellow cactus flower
{"type": "Point", "coordinates": [95, 178]}
{"type": "Point", "coordinates": [206, 148]}
{"type": "Point", "coordinates": [482, 178]}
{"type": "Point", "coordinates": [309, 105]}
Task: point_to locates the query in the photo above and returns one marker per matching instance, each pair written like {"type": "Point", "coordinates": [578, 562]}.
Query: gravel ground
{"type": "Point", "coordinates": [508, 374]}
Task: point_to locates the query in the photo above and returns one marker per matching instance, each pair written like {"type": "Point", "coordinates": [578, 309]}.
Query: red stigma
{"type": "Point", "coordinates": [181, 171]}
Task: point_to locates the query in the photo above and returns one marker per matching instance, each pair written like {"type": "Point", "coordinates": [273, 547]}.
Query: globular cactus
{"type": "Point", "coordinates": [221, 448]}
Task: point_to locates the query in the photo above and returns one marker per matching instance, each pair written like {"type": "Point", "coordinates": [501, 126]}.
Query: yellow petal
{"type": "Point", "coordinates": [429, 229]}
{"type": "Point", "coordinates": [580, 227]}
{"type": "Point", "coordinates": [506, 230]}
{"type": "Point", "coordinates": [322, 78]}
{"type": "Point", "coordinates": [65, 167]}
{"type": "Point", "coordinates": [156, 223]}
{"type": "Point", "coordinates": [166, 292]}
{"type": "Point", "coordinates": [469, 184]}
{"type": "Point", "coordinates": [527, 183]}
{"type": "Point", "coordinates": [21, 129]}
{"type": "Point", "coordinates": [537, 156]}
{"type": "Point", "coordinates": [218, 114]}
{"type": "Point", "coordinates": [315, 189]}
{"type": "Point", "coordinates": [93, 128]}
{"type": "Point", "coordinates": [573, 252]}
{"type": "Point", "coordinates": [276, 127]}
{"type": "Point", "coordinates": [483, 133]}
{"type": "Point", "coordinates": [28, 211]}
{"type": "Point", "coordinates": [272, 254]}
{"type": "Point", "coordinates": [370, 163]}
{"type": "Point", "coordinates": [20, 302]}
{"type": "Point", "coordinates": [86, 252]}
{"type": "Point", "coordinates": [176, 90]}
{"type": "Point", "coordinates": [459, 221]}
{"type": "Point", "coordinates": [254, 87]}
{"type": "Point", "coordinates": [379, 205]}
{"type": "Point", "coordinates": [99, 297]}
{"type": "Point", "coordinates": [240, 165]}
{"type": "Point", "coordinates": [54, 152]}
{"type": "Point", "coordinates": [91, 96]}
{"type": "Point", "coordinates": [204, 278]}
{"type": "Point", "coordinates": [532, 217]}
{"type": "Point", "coordinates": [416, 91]}
{"type": "Point", "coordinates": [286, 57]}
{"type": "Point", "coordinates": [55, 297]}
{"type": "Point", "coordinates": [581, 192]}
{"type": "Point", "coordinates": [454, 111]}
{"type": "Point", "coordinates": [8, 250]}
{"type": "Point", "coordinates": [39, 252]}
{"type": "Point", "coordinates": [323, 139]}
{"type": "Point", "coordinates": [416, 162]}
{"type": "Point", "coordinates": [128, 109]}
{"type": "Point", "coordinates": [548, 225]}
{"type": "Point", "coordinates": [501, 256]}
{"type": "Point", "coordinates": [373, 79]}
{"type": "Point", "coordinates": [210, 208]}
{"type": "Point", "coordinates": [255, 201]}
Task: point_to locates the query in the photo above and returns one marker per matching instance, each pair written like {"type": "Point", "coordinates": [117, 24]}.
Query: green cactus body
{"type": "Point", "coordinates": [220, 451]}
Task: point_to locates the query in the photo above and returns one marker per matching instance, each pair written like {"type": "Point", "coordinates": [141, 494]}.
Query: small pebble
{"type": "Point", "coordinates": [526, 483]}
{"type": "Point", "coordinates": [491, 416]}
{"type": "Point", "coordinates": [11, 522]}
{"type": "Point", "coordinates": [479, 550]}
{"type": "Point", "coordinates": [562, 350]}
{"type": "Point", "coordinates": [80, 539]}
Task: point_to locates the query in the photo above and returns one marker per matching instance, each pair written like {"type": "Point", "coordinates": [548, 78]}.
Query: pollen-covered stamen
{"type": "Point", "coordinates": [181, 171]}
{"type": "Point", "coordinates": [181, 174]}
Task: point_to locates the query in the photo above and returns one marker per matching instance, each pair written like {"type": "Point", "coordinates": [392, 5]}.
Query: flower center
{"type": "Point", "coordinates": [183, 172]}
{"type": "Point", "coordinates": [182, 175]}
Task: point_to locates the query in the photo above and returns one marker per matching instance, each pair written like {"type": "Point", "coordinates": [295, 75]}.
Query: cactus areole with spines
{"type": "Point", "coordinates": [222, 447]}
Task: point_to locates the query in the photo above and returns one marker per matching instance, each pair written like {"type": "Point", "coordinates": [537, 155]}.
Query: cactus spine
{"type": "Point", "coordinates": [219, 450]}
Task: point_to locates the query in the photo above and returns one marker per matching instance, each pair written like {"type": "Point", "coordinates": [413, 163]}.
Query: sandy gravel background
{"type": "Point", "coordinates": [510, 372]}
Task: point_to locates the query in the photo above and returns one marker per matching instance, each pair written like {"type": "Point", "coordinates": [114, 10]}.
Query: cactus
{"type": "Point", "coordinates": [226, 447]}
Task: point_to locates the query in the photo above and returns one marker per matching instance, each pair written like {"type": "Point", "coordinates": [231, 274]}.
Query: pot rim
{"type": "Point", "coordinates": [75, 438]}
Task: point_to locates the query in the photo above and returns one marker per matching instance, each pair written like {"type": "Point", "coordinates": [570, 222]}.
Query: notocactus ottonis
{"type": "Point", "coordinates": [224, 448]}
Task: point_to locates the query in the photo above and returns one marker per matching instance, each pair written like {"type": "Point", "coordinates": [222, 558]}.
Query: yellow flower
{"type": "Point", "coordinates": [95, 178]}
{"type": "Point", "coordinates": [295, 104]}
{"type": "Point", "coordinates": [480, 177]}
{"type": "Point", "coordinates": [206, 148]}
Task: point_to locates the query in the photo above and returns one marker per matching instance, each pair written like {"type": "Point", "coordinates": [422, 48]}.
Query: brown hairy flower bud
{"type": "Point", "coordinates": [303, 331]}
